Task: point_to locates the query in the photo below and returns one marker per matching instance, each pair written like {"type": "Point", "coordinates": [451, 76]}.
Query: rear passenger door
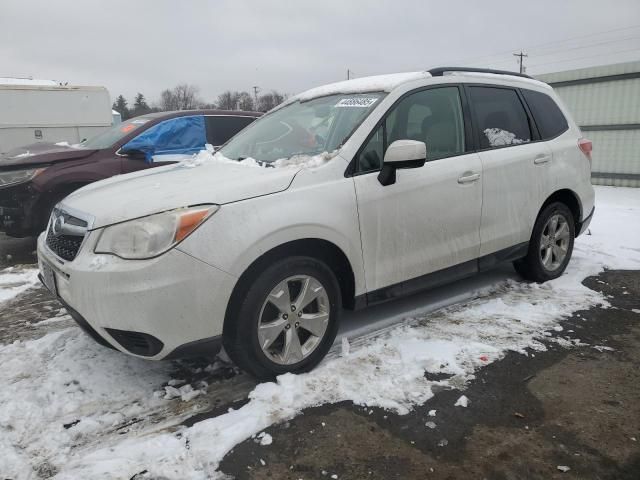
{"type": "Point", "coordinates": [514, 166]}
{"type": "Point", "coordinates": [221, 128]}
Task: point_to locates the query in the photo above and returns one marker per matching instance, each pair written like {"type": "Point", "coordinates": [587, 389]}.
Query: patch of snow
{"type": "Point", "coordinates": [70, 145]}
{"type": "Point", "coordinates": [24, 155]}
{"type": "Point", "coordinates": [431, 425]}
{"type": "Point", "coordinates": [297, 161]}
{"type": "Point", "coordinates": [602, 348]}
{"type": "Point", "coordinates": [463, 401]}
{"type": "Point", "coordinates": [27, 81]}
{"type": "Point", "coordinates": [14, 281]}
{"type": "Point", "coordinates": [432, 413]}
{"type": "Point", "coordinates": [265, 439]}
{"type": "Point", "coordinates": [498, 137]}
{"type": "Point", "coordinates": [186, 393]}
{"type": "Point", "coordinates": [345, 346]}
{"type": "Point", "coordinates": [635, 310]}
{"type": "Point", "coordinates": [563, 468]}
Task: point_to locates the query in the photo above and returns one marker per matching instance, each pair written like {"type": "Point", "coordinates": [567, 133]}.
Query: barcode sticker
{"type": "Point", "coordinates": [358, 102]}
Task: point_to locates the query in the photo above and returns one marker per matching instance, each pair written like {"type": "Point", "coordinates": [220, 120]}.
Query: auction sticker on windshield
{"type": "Point", "coordinates": [361, 102]}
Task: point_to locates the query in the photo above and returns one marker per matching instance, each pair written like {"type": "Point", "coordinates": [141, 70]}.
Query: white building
{"type": "Point", "coordinates": [605, 102]}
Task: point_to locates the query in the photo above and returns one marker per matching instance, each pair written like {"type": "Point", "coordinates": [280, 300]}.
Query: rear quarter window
{"type": "Point", "coordinates": [548, 116]}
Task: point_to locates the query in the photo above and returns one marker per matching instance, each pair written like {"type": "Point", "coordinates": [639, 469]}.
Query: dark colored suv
{"type": "Point", "coordinates": [36, 177]}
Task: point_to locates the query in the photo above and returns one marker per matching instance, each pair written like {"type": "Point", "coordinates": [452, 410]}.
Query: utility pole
{"type": "Point", "coordinates": [349, 74]}
{"type": "Point", "coordinates": [256, 89]}
{"type": "Point", "coordinates": [521, 60]}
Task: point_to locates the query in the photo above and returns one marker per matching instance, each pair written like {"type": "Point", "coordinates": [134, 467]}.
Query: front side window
{"type": "Point", "coordinates": [549, 118]}
{"type": "Point", "coordinates": [221, 128]}
{"type": "Point", "coordinates": [500, 117]}
{"type": "Point", "coordinates": [432, 116]}
{"type": "Point", "coordinates": [303, 128]}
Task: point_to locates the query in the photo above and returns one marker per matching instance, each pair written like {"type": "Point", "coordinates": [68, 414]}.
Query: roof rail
{"type": "Point", "coordinates": [438, 72]}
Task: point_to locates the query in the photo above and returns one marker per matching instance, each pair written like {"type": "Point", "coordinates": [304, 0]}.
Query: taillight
{"type": "Point", "coordinates": [586, 146]}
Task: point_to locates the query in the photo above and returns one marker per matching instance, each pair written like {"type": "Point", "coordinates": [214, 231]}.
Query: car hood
{"type": "Point", "coordinates": [125, 197]}
{"type": "Point", "coordinates": [41, 153]}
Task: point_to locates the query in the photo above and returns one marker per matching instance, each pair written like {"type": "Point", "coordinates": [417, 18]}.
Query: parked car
{"type": "Point", "coordinates": [382, 186]}
{"type": "Point", "coordinates": [36, 177]}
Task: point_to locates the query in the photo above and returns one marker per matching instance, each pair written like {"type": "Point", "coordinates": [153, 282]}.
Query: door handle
{"type": "Point", "coordinates": [468, 178]}
{"type": "Point", "coordinates": [542, 158]}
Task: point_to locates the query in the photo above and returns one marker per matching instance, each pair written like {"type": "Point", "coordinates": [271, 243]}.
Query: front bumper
{"type": "Point", "coordinates": [166, 307]}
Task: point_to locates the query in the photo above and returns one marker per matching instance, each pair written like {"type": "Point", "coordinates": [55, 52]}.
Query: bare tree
{"type": "Point", "coordinates": [227, 100]}
{"type": "Point", "coordinates": [245, 101]}
{"type": "Point", "coordinates": [270, 100]}
{"type": "Point", "coordinates": [180, 97]}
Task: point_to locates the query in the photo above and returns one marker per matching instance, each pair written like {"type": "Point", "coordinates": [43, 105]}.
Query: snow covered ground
{"type": "Point", "coordinates": [73, 409]}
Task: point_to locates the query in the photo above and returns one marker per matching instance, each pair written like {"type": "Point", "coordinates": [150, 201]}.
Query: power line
{"type": "Point", "coordinates": [533, 47]}
{"type": "Point", "coordinates": [585, 57]}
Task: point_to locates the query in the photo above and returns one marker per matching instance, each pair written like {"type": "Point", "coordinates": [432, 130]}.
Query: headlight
{"type": "Point", "coordinates": [153, 235]}
{"type": "Point", "coordinates": [13, 177]}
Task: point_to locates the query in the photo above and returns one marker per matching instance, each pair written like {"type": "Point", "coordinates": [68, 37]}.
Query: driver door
{"type": "Point", "coordinates": [428, 220]}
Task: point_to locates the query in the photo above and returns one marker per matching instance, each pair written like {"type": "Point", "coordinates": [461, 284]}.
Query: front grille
{"type": "Point", "coordinates": [65, 246]}
{"type": "Point", "coordinates": [65, 234]}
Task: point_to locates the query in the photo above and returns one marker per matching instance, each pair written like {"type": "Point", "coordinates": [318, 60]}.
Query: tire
{"type": "Point", "coordinates": [265, 316]}
{"type": "Point", "coordinates": [548, 256]}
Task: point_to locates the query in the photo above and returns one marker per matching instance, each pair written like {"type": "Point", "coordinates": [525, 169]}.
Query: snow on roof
{"type": "Point", "coordinates": [378, 83]}
{"type": "Point", "coordinates": [27, 81]}
{"type": "Point", "coordinates": [115, 112]}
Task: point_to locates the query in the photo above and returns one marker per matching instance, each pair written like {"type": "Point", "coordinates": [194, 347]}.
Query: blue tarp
{"type": "Point", "coordinates": [176, 135]}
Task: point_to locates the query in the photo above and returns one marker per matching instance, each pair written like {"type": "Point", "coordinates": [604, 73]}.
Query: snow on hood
{"type": "Point", "coordinates": [296, 161]}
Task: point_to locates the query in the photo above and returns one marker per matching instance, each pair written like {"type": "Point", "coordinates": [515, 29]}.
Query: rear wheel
{"type": "Point", "coordinates": [287, 319]}
{"type": "Point", "coordinates": [551, 244]}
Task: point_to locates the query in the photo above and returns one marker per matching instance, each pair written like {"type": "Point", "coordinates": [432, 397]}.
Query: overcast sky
{"type": "Point", "coordinates": [148, 45]}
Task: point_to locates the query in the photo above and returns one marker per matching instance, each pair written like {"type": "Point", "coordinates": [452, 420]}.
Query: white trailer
{"type": "Point", "coordinates": [43, 111]}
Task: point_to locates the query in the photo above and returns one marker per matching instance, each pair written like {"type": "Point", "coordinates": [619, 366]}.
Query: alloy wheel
{"type": "Point", "coordinates": [293, 319]}
{"type": "Point", "coordinates": [554, 242]}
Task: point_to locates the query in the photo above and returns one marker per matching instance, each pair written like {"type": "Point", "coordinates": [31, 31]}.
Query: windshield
{"type": "Point", "coordinates": [302, 128]}
{"type": "Point", "coordinates": [107, 138]}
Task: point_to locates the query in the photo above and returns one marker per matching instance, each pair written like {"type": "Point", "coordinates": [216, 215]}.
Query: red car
{"type": "Point", "coordinates": [36, 177]}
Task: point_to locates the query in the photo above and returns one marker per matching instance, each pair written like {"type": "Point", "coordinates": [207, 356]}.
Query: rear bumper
{"type": "Point", "coordinates": [585, 223]}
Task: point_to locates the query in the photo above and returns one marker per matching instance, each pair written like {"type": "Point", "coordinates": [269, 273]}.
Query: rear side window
{"type": "Point", "coordinates": [500, 117]}
{"type": "Point", "coordinates": [220, 129]}
{"type": "Point", "coordinates": [549, 118]}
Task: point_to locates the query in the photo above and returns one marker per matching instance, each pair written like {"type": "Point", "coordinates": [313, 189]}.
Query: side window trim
{"type": "Point", "coordinates": [535, 137]}
{"type": "Point", "coordinates": [352, 168]}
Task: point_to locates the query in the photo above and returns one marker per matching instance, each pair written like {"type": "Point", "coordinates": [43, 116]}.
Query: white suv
{"type": "Point", "coordinates": [345, 196]}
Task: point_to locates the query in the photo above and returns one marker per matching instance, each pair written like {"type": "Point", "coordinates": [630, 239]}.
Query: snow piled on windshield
{"type": "Point", "coordinates": [297, 161]}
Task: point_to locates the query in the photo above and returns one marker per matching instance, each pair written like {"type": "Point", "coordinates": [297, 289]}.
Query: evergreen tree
{"type": "Point", "coordinates": [140, 106]}
{"type": "Point", "coordinates": [120, 106]}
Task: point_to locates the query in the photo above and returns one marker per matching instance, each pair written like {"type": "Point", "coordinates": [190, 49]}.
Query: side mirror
{"type": "Point", "coordinates": [401, 154]}
{"type": "Point", "coordinates": [134, 154]}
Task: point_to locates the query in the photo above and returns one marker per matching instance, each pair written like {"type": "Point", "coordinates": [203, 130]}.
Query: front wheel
{"type": "Point", "coordinates": [551, 244]}
{"type": "Point", "coordinates": [287, 319]}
